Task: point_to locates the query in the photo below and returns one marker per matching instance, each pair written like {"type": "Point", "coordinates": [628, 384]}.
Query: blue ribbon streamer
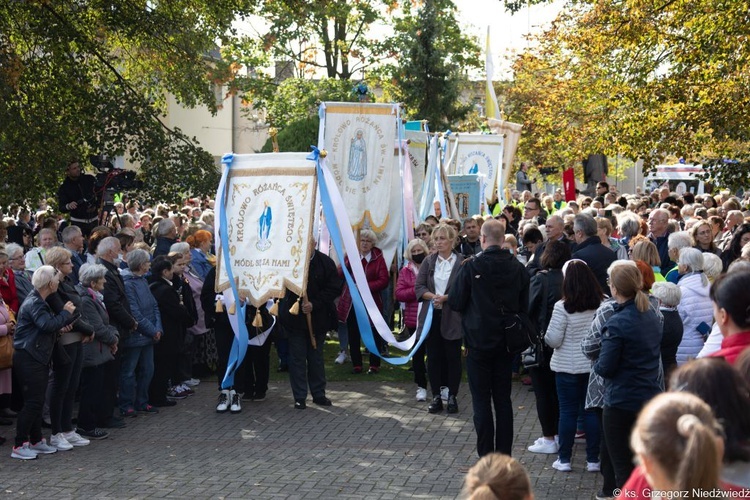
{"type": "Point", "coordinates": [239, 344]}
{"type": "Point", "coordinates": [360, 311]}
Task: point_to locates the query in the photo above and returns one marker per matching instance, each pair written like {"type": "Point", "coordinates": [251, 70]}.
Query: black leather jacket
{"type": "Point", "coordinates": [37, 328]}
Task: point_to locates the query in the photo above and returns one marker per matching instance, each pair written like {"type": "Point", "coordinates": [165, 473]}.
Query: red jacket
{"type": "Point", "coordinates": [376, 272]}
{"type": "Point", "coordinates": [8, 290]}
{"type": "Point", "coordinates": [406, 295]}
{"type": "Point", "coordinates": [732, 346]}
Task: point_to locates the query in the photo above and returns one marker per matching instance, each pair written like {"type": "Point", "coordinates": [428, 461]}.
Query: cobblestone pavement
{"type": "Point", "coordinates": [376, 442]}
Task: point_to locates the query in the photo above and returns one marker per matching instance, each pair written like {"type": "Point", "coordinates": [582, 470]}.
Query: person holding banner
{"type": "Point", "coordinates": [306, 330]}
{"type": "Point", "coordinates": [376, 271]}
{"type": "Point", "coordinates": [436, 276]}
{"type": "Point", "coordinates": [490, 291]}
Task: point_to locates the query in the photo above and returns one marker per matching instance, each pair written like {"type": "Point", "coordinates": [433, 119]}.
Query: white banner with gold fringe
{"type": "Point", "coordinates": [270, 200]}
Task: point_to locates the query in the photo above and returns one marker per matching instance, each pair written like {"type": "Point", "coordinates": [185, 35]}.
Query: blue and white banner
{"type": "Point", "coordinates": [511, 132]}
{"type": "Point", "coordinates": [467, 191]}
{"type": "Point", "coordinates": [476, 154]}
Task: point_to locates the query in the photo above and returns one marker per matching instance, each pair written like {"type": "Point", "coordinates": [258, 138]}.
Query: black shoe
{"type": "Point", "coordinates": [258, 396]}
{"type": "Point", "coordinates": [8, 413]}
{"type": "Point", "coordinates": [115, 423]}
{"type": "Point", "coordinates": [165, 403]}
{"type": "Point", "coordinates": [5, 421]}
{"type": "Point", "coordinates": [46, 424]}
{"type": "Point", "coordinates": [452, 404]}
{"type": "Point", "coordinates": [248, 396]}
{"type": "Point", "coordinates": [299, 404]}
{"type": "Point", "coordinates": [322, 401]}
{"type": "Point", "coordinates": [283, 367]}
{"type": "Point", "coordinates": [94, 434]}
{"type": "Point", "coordinates": [436, 405]}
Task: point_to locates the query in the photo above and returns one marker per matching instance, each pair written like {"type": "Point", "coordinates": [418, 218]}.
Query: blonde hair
{"type": "Point", "coordinates": [678, 431]}
{"type": "Point", "coordinates": [628, 281]}
{"type": "Point", "coordinates": [646, 251]}
{"type": "Point", "coordinates": [446, 230]}
{"type": "Point", "coordinates": [497, 477]}
{"type": "Point", "coordinates": [56, 256]}
{"type": "Point", "coordinates": [416, 242]}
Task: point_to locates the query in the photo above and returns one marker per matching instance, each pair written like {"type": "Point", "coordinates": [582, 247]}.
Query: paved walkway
{"type": "Point", "coordinates": [376, 442]}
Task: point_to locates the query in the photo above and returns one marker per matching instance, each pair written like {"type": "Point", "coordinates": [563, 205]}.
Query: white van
{"type": "Point", "coordinates": [680, 178]}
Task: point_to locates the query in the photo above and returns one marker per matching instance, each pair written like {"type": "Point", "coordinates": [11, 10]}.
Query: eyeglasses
{"type": "Point", "coordinates": [530, 208]}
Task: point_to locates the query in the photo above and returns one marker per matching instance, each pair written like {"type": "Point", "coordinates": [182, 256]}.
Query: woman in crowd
{"type": "Point", "coordinates": [137, 370]}
{"type": "Point", "coordinates": [678, 443]}
{"type": "Point", "coordinates": [733, 252]}
{"type": "Point", "coordinates": [629, 361]}
{"type": "Point", "coordinates": [8, 283]}
{"type": "Point", "coordinates": [67, 359]}
{"type": "Point", "coordinates": [182, 379]}
{"type": "Point", "coordinates": [199, 332]}
{"type": "Point", "coordinates": [669, 296]}
{"type": "Point", "coordinates": [532, 239]}
{"type": "Point", "coordinates": [34, 340]}
{"type": "Point", "coordinates": [376, 272]}
{"type": "Point", "coordinates": [695, 306]}
{"type": "Point", "coordinates": [96, 353]}
{"type": "Point", "coordinates": [646, 251]}
{"type": "Point", "coordinates": [175, 318]}
{"type": "Point", "coordinates": [703, 237]}
{"type": "Point", "coordinates": [712, 266]}
{"type": "Point", "coordinates": [21, 236]}
{"type": "Point", "coordinates": [127, 240]}
{"type": "Point", "coordinates": [436, 275]}
{"type": "Point", "coordinates": [731, 306]}
{"type": "Point", "coordinates": [545, 289]}
{"type": "Point", "coordinates": [36, 257]}
{"type": "Point", "coordinates": [497, 477]}
{"type": "Point", "coordinates": [424, 232]}
{"type": "Point", "coordinates": [97, 235]}
{"type": "Point", "coordinates": [604, 231]}
{"type": "Point", "coordinates": [21, 277]}
{"type": "Point", "coordinates": [200, 249]}
{"type": "Point", "coordinates": [415, 253]}
{"type": "Point", "coordinates": [571, 318]}
{"type": "Point", "coordinates": [7, 327]}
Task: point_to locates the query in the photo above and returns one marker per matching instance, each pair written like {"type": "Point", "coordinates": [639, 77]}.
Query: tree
{"type": "Point", "coordinates": [434, 56]}
{"type": "Point", "coordinates": [79, 77]}
{"type": "Point", "coordinates": [301, 30]}
{"type": "Point", "coordinates": [646, 79]}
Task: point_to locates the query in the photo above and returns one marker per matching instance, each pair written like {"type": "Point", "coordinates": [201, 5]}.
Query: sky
{"type": "Point", "coordinates": [507, 31]}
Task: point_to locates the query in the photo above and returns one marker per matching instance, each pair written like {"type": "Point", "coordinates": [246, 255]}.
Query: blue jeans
{"type": "Point", "coordinates": [571, 392]}
{"type": "Point", "coordinates": [136, 372]}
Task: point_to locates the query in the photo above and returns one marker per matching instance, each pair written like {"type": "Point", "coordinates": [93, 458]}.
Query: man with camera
{"type": "Point", "coordinates": [76, 197]}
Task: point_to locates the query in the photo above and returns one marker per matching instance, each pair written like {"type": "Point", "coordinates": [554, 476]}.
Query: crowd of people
{"type": "Point", "coordinates": [629, 297]}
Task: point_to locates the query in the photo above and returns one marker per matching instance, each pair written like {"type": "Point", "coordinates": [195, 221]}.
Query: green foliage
{"type": "Point", "coordinates": [297, 98]}
{"type": "Point", "coordinates": [297, 136]}
{"type": "Point", "coordinates": [79, 77]}
{"type": "Point", "coordinates": [645, 79]}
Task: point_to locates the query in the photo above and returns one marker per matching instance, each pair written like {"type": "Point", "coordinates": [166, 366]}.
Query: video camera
{"type": "Point", "coordinates": [111, 178]}
{"type": "Point", "coordinates": [545, 171]}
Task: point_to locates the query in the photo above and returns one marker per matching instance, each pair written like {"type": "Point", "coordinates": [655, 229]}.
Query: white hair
{"type": "Point", "coordinates": [181, 247]}
{"type": "Point", "coordinates": [88, 273]}
{"type": "Point", "coordinates": [712, 266]}
{"type": "Point", "coordinates": [668, 293]}
{"type": "Point", "coordinates": [108, 244]}
{"type": "Point", "coordinates": [43, 277]}
{"type": "Point", "coordinates": [679, 240]}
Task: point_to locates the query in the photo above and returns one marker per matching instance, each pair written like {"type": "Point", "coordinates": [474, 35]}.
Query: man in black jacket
{"type": "Point", "coordinates": [76, 197]}
{"type": "Point", "coordinates": [305, 361]}
{"type": "Point", "coordinates": [120, 316]}
{"type": "Point", "coordinates": [590, 249]}
{"type": "Point", "coordinates": [489, 291]}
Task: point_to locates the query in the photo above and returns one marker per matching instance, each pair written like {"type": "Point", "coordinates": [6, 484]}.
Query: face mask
{"type": "Point", "coordinates": [418, 258]}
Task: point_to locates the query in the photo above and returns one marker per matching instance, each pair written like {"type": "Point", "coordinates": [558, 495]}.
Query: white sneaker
{"type": "Point", "coordinates": [593, 466]}
{"type": "Point", "coordinates": [192, 382]}
{"type": "Point", "coordinates": [341, 358]}
{"type": "Point", "coordinates": [421, 394]}
{"type": "Point", "coordinates": [444, 394]}
{"type": "Point", "coordinates": [543, 445]}
{"type": "Point", "coordinates": [42, 448]}
{"type": "Point", "coordinates": [563, 467]}
{"type": "Point", "coordinates": [23, 452]}
{"type": "Point", "coordinates": [223, 405]}
{"type": "Point", "coordinates": [76, 439]}
{"type": "Point", "coordinates": [234, 398]}
{"type": "Point", "coordinates": [58, 441]}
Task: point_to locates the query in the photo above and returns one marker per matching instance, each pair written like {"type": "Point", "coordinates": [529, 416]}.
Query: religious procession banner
{"type": "Point", "coordinates": [476, 154]}
{"type": "Point", "coordinates": [360, 139]}
{"type": "Point", "coordinates": [270, 200]}
{"type": "Point", "coordinates": [467, 191]}
{"type": "Point", "coordinates": [264, 216]}
{"type": "Point", "coordinates": [512, 133]}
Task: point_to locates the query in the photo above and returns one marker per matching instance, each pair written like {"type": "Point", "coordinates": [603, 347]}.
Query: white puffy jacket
{"type": "Point", "coordinates": [564, 335]}
{"type": "Point", "coordinates": [695, 307]}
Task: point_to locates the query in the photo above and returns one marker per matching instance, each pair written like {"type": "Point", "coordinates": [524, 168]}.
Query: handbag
{"type": "Point", "coordinates": [6, 352]}
{"type": "Point", "coordinates": [534, 356]}
{"type": "Point", "coordinates": [519, 334]}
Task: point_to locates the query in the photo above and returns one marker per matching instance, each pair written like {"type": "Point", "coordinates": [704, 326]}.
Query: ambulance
{"type": "Point", "coordinates": [679, 178]}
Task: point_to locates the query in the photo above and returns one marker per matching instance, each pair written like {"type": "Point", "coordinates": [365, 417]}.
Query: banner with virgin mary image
{"type": "Point", "coordinates": [476, 154]}
{"type": "Point", "coordinates": [360, 139]}
{"type": "Point", "coordinates": [268, 211]}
